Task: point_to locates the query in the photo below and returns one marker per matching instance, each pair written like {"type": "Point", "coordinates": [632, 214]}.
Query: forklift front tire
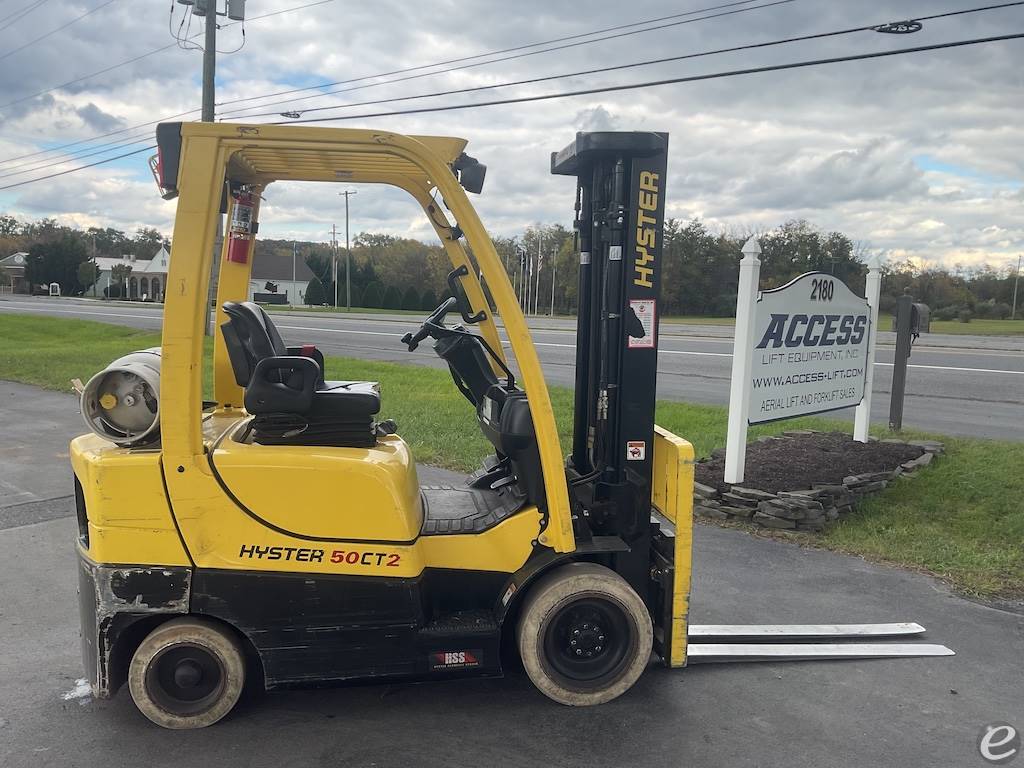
{"type": "Point", "coordinates": [584, 635]}
{"type": "Point", "coordinates": [187, 673]}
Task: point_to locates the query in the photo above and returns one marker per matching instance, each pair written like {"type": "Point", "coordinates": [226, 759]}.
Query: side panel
{"type": "Point", "coordinates": [672, 496]}
{"type": "Point", "coordinates": [312, 629]}
{"type": "Point", "coordinates": [368, 494]}
{"type": "Point", "coordinates": [124, 517]}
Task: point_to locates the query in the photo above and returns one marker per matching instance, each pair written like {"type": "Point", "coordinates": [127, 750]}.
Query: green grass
{"type": "Point", "coordinates": [978, 327]}
{"type": "Point", "coordinates": [961, 519]}
{"type": "Point", "coordinates": [697, 320]}
{"type": "Point", "coordinates": [973, 328]}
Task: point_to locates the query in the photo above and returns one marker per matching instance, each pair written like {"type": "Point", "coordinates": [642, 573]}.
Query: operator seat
{"type": "Point", "coordinates": [285, 389]}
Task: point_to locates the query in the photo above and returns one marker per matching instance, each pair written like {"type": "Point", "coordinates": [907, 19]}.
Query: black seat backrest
{"type": "Point", "coordinates": [250, 336]}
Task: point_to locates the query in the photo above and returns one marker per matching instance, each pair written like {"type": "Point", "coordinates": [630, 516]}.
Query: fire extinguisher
{"type": "Point", "coordinates": [242, 228]}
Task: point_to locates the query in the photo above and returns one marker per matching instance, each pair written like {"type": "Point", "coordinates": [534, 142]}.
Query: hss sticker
{"type": "Point", "coordinates": [456, 659]}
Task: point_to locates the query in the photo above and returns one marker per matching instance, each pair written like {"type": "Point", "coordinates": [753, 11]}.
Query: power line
{"type": "Point", "coordinates": [669, 81]}
{"type": "Point", "coordinates": [152, 52]}
{"type": "Point", "coordinates": [50, 163]}
{"type": "Point", "coordinates": [367, 77]}
{"type": "Point", "coordinates": [526, 54]}
{"type": "Point", "coordinates": [481, 55]}
{"type": "Point", "coordinates": [94, 138]}
{"type": "Point", "coordinates": [79, 168]}
{"type": "Point", "coordinates": [21, 13]}
{"type": "Point", "coordinates": [55, 31]}
{"type": "Point", "coordinates": [604, 89]}
{"type": "Point", "coordinates": [648, 62]}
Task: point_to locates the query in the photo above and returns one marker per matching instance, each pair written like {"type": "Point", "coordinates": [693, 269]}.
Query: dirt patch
{"type": "Point", "coordinates": [797, 461]}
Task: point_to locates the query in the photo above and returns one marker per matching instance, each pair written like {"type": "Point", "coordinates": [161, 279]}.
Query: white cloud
{"type": "Point", "coordinates": [839, 145]}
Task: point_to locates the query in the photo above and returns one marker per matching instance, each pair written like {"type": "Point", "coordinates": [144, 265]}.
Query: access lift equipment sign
{"type": "Point", "coordinates": [810, 350]}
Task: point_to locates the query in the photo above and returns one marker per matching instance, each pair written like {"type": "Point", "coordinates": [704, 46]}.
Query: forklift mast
{"type": "Point", "coordinates": [620, 209]}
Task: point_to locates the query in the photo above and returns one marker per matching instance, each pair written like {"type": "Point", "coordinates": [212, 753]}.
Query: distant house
{"type": "Point", "coordinates": [148, 278]}
{"type": "Point", "coordinates": [276, 269]}
{"type": "Point", "coordinates": [14, 267]}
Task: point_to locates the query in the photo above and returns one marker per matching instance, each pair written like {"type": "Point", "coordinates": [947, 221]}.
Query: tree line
{"type": "Point", "coordinates": [699, 267]}
{"type": "Point", "coordinates": [61, 254]}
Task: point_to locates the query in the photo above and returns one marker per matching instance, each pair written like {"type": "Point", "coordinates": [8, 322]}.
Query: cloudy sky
{"type": "Point", "coordinates": [916, 156]}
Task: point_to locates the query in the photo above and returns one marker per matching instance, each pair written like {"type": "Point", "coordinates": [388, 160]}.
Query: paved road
{"type": "Point", "coordinates": [915, 713]}
{"type": "Point", "coordinates": [960, 385]}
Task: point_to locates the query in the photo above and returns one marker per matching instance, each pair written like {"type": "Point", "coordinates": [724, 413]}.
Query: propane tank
{"type": "Point", "coordinates": [241, 231]}
{"type": "Point", "coordinates": [122, 402]}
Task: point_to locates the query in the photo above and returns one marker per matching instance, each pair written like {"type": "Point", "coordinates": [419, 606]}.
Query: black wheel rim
{"type": "Point", "coordinates": [588, 642]}
{"type": "Point", "coordinates": [185, 679]}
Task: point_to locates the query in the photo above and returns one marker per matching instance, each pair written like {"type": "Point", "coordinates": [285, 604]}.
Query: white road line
{"type": "Point", "coordinates": [660, 351]}
{"type": "Point", "coordinates": [48, 310]}
{"type": "Point", "coordinates": [536, 343]}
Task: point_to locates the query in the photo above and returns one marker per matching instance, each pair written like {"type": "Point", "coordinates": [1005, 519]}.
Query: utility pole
{"type": "Point", "coordinates": [348, 255]}
{"type": "Point", "coordinates": [209, 57]}
{"type": "Point", "coordinates": [529, 281]}
{"type": "Point", "coordinates": [540, 265]}
{"type": "Point", "coordinates": [552, 313]}
{"type": "Point", "coordinates": [96, 269]}
{"type": "Point", "coordinates": [1016, 280]}
{"type": "Point", "coordinates": [334, 262]}
{"type": "Point", "coordinates": [294, 289]}
{"type": "Point", "coordinates": [234, 9]}
{"type": "Point", "coordinates": [520, 289]}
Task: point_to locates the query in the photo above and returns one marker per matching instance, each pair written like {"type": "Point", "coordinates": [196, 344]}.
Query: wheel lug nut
{"type": "Point", "coordinates": [600, 638]}
{"type": "Point", "coordinates": [573, 642]}
{"type": "Point", "coordinates": [597, 648]}
{"type": "Point", "coordinates": [579, 652]}
{"type": "Point", "coordinates": [575, 631]}
{"type": "Point", "coordinates": [586, 626]}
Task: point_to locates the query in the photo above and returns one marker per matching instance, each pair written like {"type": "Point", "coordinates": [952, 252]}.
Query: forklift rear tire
{"type": "Point", "coordinates": [187, 673]}
{"type": "Point", "coordinates": [584, 635]}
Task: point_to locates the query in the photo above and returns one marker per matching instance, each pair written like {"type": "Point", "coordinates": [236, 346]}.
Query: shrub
{"type": "Point", "coordinates": [887, 304]}
{"type": "Point", "coordinates": [995, 310]}
{"type": "Point", "coordinates": [372, 296]}
{"type": "Point", "coordinates": [429, 300]}
{"type": "Point", "coordinates": [411, 299]}
{"type": "Point", "coordinates": [315, 294]}
{"type": "Point", "coordinates": [964, 315]}
{"type": "Point", "coordinates": [946, 313]}
{"type": "Point", "coordinates": [392, 298]}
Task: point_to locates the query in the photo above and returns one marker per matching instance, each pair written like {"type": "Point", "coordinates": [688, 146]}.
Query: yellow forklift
{"type": "Point", "coordinates": [278, 534]}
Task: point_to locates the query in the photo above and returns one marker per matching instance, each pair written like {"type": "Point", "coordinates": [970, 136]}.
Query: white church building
{"type": "Point", "coordinates": [148, 278]}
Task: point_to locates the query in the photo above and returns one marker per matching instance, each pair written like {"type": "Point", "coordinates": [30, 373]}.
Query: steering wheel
{"type": "Point", "coordinates": [433, 326]}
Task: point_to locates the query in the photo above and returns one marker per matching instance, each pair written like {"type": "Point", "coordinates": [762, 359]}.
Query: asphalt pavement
{"type": "Point", "coordinates": [911, 713]}
{"type": "Point", "coordinates": [957, 385]}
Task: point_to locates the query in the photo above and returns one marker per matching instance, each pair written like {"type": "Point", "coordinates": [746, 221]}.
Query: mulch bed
{"type": "Point", "coordinates": [797, 461]}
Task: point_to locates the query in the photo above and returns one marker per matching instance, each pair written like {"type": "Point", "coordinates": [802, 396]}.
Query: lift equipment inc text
{"type": "Point", "coordinates": [810, 349]}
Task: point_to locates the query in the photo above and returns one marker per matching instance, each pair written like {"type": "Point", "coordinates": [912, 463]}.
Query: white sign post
{"type": "Point", "coordinates": [739, 388]}
{"type": "Point", "coordinates": [800, 349]}
{"type": "Point", "coordinates": [872, 290]}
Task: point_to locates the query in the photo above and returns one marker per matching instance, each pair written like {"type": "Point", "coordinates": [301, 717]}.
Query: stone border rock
{"type": "Point", "coordinates": [809, 509]}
